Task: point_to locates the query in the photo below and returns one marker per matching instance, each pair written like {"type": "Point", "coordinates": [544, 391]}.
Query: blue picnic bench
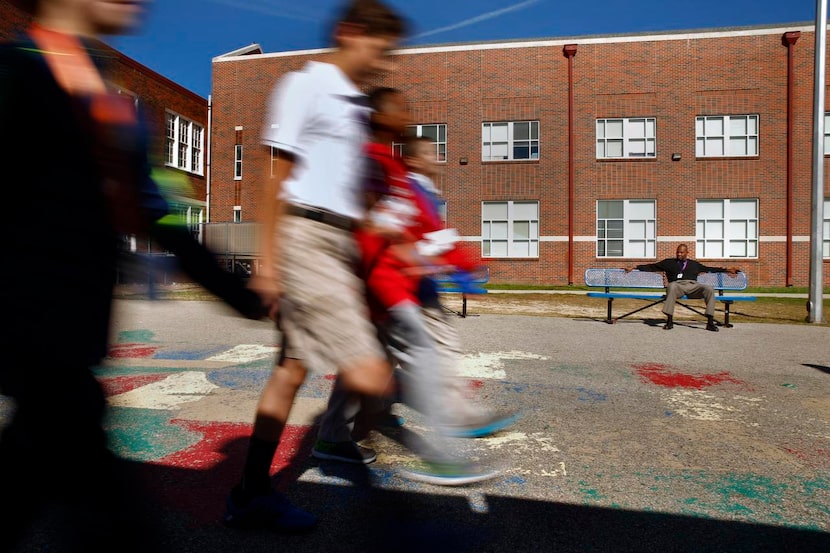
{"type": "Point", "coordinates": [619, 284]}
{"type": "Point", "coordinates": [462, 282]}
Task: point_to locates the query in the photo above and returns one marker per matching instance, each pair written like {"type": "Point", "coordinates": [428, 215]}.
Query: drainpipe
{"type": "Point", "coordinates": [570, 51]}
{"type": "Point", "coordinates": [207, 163]}
{"type": "Point", "coordinates": [789, 40]}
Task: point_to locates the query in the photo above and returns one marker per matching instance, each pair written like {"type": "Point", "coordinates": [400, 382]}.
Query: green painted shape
{"type": "Point", "coordinates": [145, 434]}
{"type": "Point", "coordinates": [136, 337]}
{"type": "Point", "coordinates": [786, 385]}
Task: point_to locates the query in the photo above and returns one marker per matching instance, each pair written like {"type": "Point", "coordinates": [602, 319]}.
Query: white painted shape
{"type": "Point", "coordinates": [167, 394]}
{"type": "Point", "coordinates": [491, 365]}
{"type": "Point", "coordinates": [245, 353]}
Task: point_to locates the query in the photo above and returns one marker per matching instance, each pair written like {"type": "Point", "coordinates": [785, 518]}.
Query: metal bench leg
{"type": "Point", "coordinates": [726, 322]}
{"type": "Point", "coordinates": [463, 305]}
{"type": "Point", "coordinates": [608, 318]}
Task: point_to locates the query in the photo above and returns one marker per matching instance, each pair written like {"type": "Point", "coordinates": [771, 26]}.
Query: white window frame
{"type": "Point", "coordinates": [502, 232]}
{"type": "Point", "coordinates": [237, 162]}
{"type": "Point", "coordinates": [629, 232]}
{"type": "Point", "coordinates": [727, 135]}
{"type": "Point", "coordinates": [185, 144]}
{"type": "Point", "coordinates": [726, 228]}
{"type": "Point", "coordinates": [825, 231]}
{"type": "Point", "coordinates": [499, 140]}
{"type": "Point", "coordinates": [826, 133]}
{"type": "Point", "coordinates": [623, 138]}
{"type": "Point", "coordinates": [237, 214]}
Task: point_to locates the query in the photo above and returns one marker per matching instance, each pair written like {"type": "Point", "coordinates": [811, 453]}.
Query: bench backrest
{"type": "Point", "coordinates": [618, 278]}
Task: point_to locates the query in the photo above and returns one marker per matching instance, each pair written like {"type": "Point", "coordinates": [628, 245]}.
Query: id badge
{"type": "Point", "coordinates": [679, 276]}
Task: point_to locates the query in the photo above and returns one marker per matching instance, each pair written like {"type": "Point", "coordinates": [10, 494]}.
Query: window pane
{"type": "Point", "coordinates": [714, 249]}
{"type": "Point", "coordinates": [521, 230]}
{"type": "Point", "coordinates": [521, 131]}
{"type": "Point", "coordinates": [614, 148]}
{"type": "Point", "coordinates": [521, 152]}
{"type": "Point", "coordinates": [525, 210]}
{"type": "Point", "coordinates": [610, 209]}
{"type": "Point", "coordinates": [614, 128]}
{"type": "Point", "coordinates": [714, 229]}
{"type": "Point", "coordinates": [637, 148]}
{"type": "Point", "coordinates": [498, 151]}
{"type": "Point", "coordinates": [709, 209]}
{"type": "Point", "coordinates": [737, 248]}
{"type": "Point", "coordinates": [737, 126]}
{"type": "Point", "coordinates": [615, 248]}
{"type": "Point", "coordinates": [601, 128]}
{"type": "Point", "coordinates": [737, 146]}
{"type": "Point", "coordinates": [430, 131]}
{"type": "Point", "coordinates": [636, 128]}
{"type": "Point", "coordinates": [499, 230]}
{"type": "Point", "coordinates": [640, 209]}
{"type": "Point", "coordinates": [521, 249]}
{"type": "Point", "coordinates": [637, 248]}
{"type": "Point", "coordinates": [742, 209]}
{"type": "Point", "coordinates": [714, 146]}
{"type": "Point", "coordinates": [737, 229]}
{"type": "Point", "coordinates": [752, 125]}
{"type": "Point", "coordinates": [637, 229]}
{"type": "Point", "coordinates": [699, 122]}
{"type": "Point", "coordinates": [714, 126]}
{"type": "Point", "coordinates": [494, 210]}
{"type": "Point", "coordinates": [615, 229]}
{"type": "Point", "coordinates": [498, 132]}
{"type": "Point", "coordinates": [498, 248]}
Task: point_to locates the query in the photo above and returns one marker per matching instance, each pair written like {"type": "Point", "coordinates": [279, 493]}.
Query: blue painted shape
{"type": "Point", "coordinates": [189, 355]}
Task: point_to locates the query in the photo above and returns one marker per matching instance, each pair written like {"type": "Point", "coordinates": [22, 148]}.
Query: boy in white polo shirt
{"type": "Point", "coordinates": [317, 120]}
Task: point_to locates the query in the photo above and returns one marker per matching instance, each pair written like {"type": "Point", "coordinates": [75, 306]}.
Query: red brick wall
{"type": "Point", "coordinates": [673, 80]}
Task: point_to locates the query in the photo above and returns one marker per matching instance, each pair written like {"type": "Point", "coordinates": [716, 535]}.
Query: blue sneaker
{"type": "Point", "coordinates": [272, 511]}
{"type": "Point", "coordinates": [490, 424]}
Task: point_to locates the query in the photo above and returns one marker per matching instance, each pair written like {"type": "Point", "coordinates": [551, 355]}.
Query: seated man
{"type": "Point", "coordinates": [681, 273]}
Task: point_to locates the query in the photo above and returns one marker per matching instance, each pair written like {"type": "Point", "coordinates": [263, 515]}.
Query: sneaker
{"type": "Point", "coordinates": [272, 511]}
{"type": "Point", "coordinates": [347, 452]}
{"type": "Point", "coordinates": [448, 473]}
{"type": "Point", "coordinates": [490, 424]}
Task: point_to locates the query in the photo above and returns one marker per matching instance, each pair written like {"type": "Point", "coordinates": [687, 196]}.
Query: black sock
{"type": "Point", "coordinates": [256, 477]}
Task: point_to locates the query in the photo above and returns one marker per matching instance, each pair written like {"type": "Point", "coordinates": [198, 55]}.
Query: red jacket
{"type": "Point", "coordinates": [386, 282]}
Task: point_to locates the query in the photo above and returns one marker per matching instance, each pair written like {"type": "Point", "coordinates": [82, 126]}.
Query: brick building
{"type": "Point", "coordinates": [177, 116]}
{"type": "Point", "coordinates": [564, 154]}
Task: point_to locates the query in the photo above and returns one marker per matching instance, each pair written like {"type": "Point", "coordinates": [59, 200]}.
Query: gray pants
{"type": "Point", "coordinates": [692, 289]}
{"type": "Point", "coordinates": [425, 346]}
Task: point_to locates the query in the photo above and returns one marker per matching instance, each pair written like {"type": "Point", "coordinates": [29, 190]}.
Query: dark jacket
{"type": "Point", "coordinates": [672, 268]}
{"type": "Point", "coordinates": [60, 243]}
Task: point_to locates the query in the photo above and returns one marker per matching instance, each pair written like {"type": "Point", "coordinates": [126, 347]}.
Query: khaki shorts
{"type": "Point", "coordinates": [323, 315]}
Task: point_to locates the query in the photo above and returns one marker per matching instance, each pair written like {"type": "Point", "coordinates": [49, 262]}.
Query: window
{"type": "Point", "coordinates": [726, 136]}
{"type": "Point", "coordinates": [237, 214]}
{"type": "Point", "coordinates": [515, 140]}
{"type": "Point", "coordinates": [184, 144]}
{"type": "Point", "coordinates": [510, 229]}
{"type": "Point", "coordinates": [237, 162]}
{"type": "Point", "coordinates": [626, 228]}
{"type": "Point", "coordinates": [727, 228]}
{"type": "Point", "coordinates": [827, 133]}
{"type": "Point", "coordinates": [437, 132]}
{"type": "Point", "coordinates": [624, 138]}
{"type": "Point", "coordinates": [825, 231]}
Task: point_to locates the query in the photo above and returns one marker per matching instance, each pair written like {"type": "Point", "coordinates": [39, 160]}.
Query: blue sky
{"type": "Point", "coordinates": [179, 37]}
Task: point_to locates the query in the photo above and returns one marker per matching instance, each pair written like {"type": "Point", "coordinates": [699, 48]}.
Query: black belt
{"type": "Point", "coordinates": [322, 216]}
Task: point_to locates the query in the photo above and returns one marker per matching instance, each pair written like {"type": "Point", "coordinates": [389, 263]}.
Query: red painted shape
{"type": "Point", "coordinates": [662, 375]}
{"type": "Point", "coordinates": [197, 480]}
{"type": "Point", "coordinates": [329, 376]}
{"type": "Point", "coordinates": [132, 350]}
{"type": "Point", "coordinates": [476, 384]}
{"type": "Point", "coordinates": [119, 384]}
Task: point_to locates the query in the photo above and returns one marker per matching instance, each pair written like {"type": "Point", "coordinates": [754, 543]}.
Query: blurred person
{"type": "Point", "coordinates": [71, 210]}
{"type": "Point", "coordinates": [681, 277]}
{"type": "Point", "coordinates": [407, 321]}
{"type": "Point", "coordinates": [311, 207]}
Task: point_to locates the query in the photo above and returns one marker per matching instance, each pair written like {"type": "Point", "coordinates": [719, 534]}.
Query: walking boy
{"type": "Point", "coordinates": [317, 121]}
{"type": "Point", "coordinates": [404, 316]}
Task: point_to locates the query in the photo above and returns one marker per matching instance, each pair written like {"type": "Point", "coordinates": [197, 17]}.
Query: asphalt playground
{"type": "Point", "coordinates": [632, 438]}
